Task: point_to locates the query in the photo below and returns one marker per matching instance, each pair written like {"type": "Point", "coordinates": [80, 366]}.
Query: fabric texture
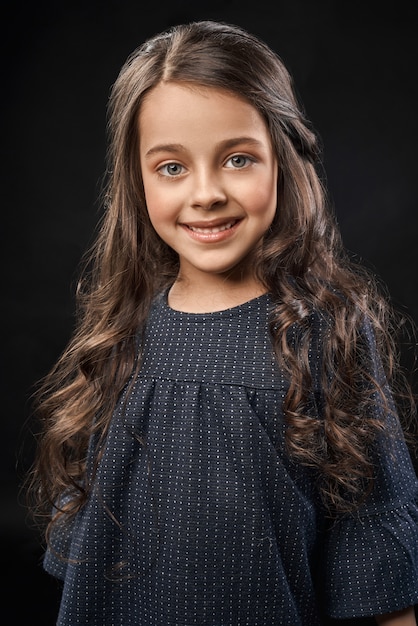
{"type": "Point", "coordinates": [197, 516]}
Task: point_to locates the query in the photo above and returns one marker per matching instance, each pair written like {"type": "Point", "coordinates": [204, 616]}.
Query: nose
{"type": "Point", "coordinates": [207, 190]}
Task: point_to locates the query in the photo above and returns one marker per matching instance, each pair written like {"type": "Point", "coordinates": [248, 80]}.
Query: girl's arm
{"type": "Point", "coordinates": [400, 618]}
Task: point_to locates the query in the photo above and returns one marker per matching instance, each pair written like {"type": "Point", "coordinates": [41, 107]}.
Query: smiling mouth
{"type": "Point", "coordinates": [212, 229]}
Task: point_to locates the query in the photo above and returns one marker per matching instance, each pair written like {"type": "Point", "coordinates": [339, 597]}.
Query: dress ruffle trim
{"type": "Point", "coordinates": [372, 563]}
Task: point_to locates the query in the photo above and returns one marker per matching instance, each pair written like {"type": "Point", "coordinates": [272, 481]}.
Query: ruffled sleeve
{"type": "Point", "coordinates": [372, 563]}
{"type": "Point", "coordinates": [371, 557]}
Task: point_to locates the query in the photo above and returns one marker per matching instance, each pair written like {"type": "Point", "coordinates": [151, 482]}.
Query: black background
{"type": "Point", "coordinates": [354, 65]}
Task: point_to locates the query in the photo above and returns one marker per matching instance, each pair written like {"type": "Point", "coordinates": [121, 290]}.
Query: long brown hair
{"type": "Point", "coordinates": [302, 263]}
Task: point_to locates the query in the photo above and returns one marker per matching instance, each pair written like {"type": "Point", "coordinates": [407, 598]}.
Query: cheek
{"type": "Point", "coordinates": [262, 203]}
{"type": "Point", "coordinates": [259, 194]}
{"type": "Point", "coordinates": [162, 198]}
{"type": "Point", "coordinates": [156, 202]}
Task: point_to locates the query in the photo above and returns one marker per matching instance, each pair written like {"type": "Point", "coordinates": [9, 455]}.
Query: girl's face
{"type": "Point", "coordinates": [210, 178]}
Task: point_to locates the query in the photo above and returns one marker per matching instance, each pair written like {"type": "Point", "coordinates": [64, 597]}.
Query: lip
{"type": "Point", "coordinates": [212, 231]}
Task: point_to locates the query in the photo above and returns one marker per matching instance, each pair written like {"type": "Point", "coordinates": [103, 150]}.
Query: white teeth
{"type": "Point", "coordinates": [216, 229]}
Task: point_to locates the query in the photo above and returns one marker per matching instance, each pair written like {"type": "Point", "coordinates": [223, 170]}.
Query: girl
{"type": "Point", "coordinates": [220, 442]}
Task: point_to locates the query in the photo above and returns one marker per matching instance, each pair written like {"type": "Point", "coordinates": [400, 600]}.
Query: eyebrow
{"type": "Point", "coordinates": [222, 145]}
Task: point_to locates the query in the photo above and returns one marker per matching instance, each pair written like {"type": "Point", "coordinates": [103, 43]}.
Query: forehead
{"type": "Point", "coordinates": [173, 110]}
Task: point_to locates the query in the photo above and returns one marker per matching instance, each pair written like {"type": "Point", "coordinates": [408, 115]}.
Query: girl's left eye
{"type": "Point", "coordinates": [238, 161]}
{"type": "Point", "coordinates": [170, 169]}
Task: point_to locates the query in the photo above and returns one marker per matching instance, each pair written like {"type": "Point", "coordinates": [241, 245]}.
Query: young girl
{"type": "Point", "coordinates": [220, 439]}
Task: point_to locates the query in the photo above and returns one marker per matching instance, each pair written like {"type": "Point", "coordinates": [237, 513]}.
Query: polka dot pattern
{"type": "Point", "coordinates": [197, 517]}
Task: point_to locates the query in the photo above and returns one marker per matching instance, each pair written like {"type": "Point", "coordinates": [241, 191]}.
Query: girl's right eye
{"type": "Point", "coordinates": [170, 170]}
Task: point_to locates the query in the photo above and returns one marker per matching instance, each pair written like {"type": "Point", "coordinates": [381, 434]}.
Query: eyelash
{"type": "Point", "coordinates": [235, 156]}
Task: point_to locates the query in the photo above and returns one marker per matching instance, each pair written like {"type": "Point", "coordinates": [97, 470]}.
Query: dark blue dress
{"type": "Point", "coordinates": [197, 516]}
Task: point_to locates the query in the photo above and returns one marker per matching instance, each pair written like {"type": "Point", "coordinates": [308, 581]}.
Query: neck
{"type": "Point", "coordinates": [213, 294]}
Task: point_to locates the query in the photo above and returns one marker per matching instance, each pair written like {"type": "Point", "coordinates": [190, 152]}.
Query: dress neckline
{"type": "Point", "coordinates": [249, 305]}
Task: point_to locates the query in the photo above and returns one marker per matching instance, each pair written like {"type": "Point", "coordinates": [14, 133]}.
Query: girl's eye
{"type": "Point", "coordinates": [170, 169]}
{"type": "Point", "coordinates": [239, 161]}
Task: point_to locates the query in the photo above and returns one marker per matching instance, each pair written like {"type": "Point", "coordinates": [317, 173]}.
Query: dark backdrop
{"type": "Point", "coordinates": [354, 65]}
